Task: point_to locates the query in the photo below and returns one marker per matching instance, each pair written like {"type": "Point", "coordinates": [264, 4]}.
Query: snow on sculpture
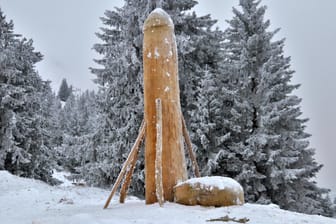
{"type": "Point", "coordinates": [209, 191]}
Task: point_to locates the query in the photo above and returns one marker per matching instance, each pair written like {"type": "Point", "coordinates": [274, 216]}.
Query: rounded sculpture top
{"type": "Point", "coordinates": [158, 17]}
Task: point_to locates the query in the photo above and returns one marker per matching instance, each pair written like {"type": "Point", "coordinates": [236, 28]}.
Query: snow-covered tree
{"type": "Point", "coordinates": [21, 151]}
{"type": "Point", "coordinates": [120, 87]}
{"type": "Point", "coordinates": [270, 147]}
{"type": "Point", "coordinates": [120, 76]}
{"type": "Point", "coordinates": [78, 122]}
{"type": "Point", "coordinates": [64, 91]}
{"type": "Point", "coordinates": [211, 120]}
{"type": "Point", "coordinates": [52, 135]}
{"type": "Point", "coordinates": [50, 117]}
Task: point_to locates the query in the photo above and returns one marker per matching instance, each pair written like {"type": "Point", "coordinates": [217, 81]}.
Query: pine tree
{"type": "Point", "coordinates": [210, 120]}
{"type": "Point", "coordinates": [64, 91]}
{"type": "Point", "coordinates": [49, 121]}
{"type": "Point", "coordinates": [50, 113]}
{"type": "Point", "coordinates": [271, 148]}
{"type": "Point", "coordinates": [120, 78]}
{"type": "Point", "coordinates": [22, 151]}
{"type": "Point", "coordinates": [78, 122]}
{"type": "Point", "coordinates": [120, 83]}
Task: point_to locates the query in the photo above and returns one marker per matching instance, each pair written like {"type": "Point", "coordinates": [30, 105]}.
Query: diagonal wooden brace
{"type": "Point", "coordinates": [126, 166]}
{"type": "Point", "coordinates": [189, 148]}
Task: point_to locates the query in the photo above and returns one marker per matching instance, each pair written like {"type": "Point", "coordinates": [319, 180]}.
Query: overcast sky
{"type": "Point", "coordinates": [63, 31]}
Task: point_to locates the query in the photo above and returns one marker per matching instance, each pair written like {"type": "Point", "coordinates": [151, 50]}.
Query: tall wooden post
{"type": "Point", "coordinates": [161, 82]}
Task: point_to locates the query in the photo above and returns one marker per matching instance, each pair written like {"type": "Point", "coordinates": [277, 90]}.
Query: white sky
{"type": "Point", "coordinates": [63, 31]}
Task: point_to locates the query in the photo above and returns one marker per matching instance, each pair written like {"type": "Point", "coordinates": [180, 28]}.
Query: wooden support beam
{"type": "Point", "coordinates": [189, 148]}
{"type": "Point", "coordinates": [126, 165]}
{"type": "Point", "coordinates": [129, 172]}
{"type": "Point", "coordinates": [158, 160]}
{"type": "Point", "coordinates": [128, 178]}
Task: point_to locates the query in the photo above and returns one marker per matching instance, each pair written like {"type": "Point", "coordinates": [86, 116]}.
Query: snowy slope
{"type": "Point", "coordinates": [33, 202]}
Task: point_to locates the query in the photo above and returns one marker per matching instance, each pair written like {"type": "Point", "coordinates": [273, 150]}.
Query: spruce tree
{"type": "Point", "coordinates": [64, 91]}
{"type": "Point", "coordinates": [78, 122]}
{"type": "Point", "coordinates": [22, 150]}
{"type": "Point", "coordinates": [211, 119]}
{"type": "Point", "coordinates": [271, 148]}
{"type": "Point", "coordinates": [49, 122]}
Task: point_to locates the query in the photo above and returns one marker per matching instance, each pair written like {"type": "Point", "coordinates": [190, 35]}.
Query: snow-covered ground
{"type": "Point", "coordinates": [33, 202]}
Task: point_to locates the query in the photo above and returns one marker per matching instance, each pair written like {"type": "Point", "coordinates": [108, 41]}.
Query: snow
{"type": "Point", "coordinates": [27, 201]}
{"type": "Point", "coordinates": [156, 53]}
{"type": "Point", "coordinates": [62, 176]}
{"type": "Point", "coordinates": [215, 181]}
{"type": "Point", "coordinates": [157, 17]}
{"type": "Point", "coordinates": [160, 11]}
{"type": "Point", "coordinates": [63, 104]}
{"type": "Point", "coordinates": [163, 14]}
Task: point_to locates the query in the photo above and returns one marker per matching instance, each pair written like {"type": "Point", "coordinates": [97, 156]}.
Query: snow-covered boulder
{"type": "Point", "coordinates": [209, 191]}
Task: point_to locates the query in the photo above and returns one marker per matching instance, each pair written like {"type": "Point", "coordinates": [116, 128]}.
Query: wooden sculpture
{"type": "Point", "coordinates": [163, 127]}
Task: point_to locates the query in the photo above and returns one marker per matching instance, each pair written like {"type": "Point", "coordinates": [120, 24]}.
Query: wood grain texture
{"type": "Point", "coordinates": [161, 81]}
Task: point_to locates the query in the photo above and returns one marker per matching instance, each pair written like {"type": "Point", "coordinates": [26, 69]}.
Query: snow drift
{"type": "Point", "coordinates": [27, 201]}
